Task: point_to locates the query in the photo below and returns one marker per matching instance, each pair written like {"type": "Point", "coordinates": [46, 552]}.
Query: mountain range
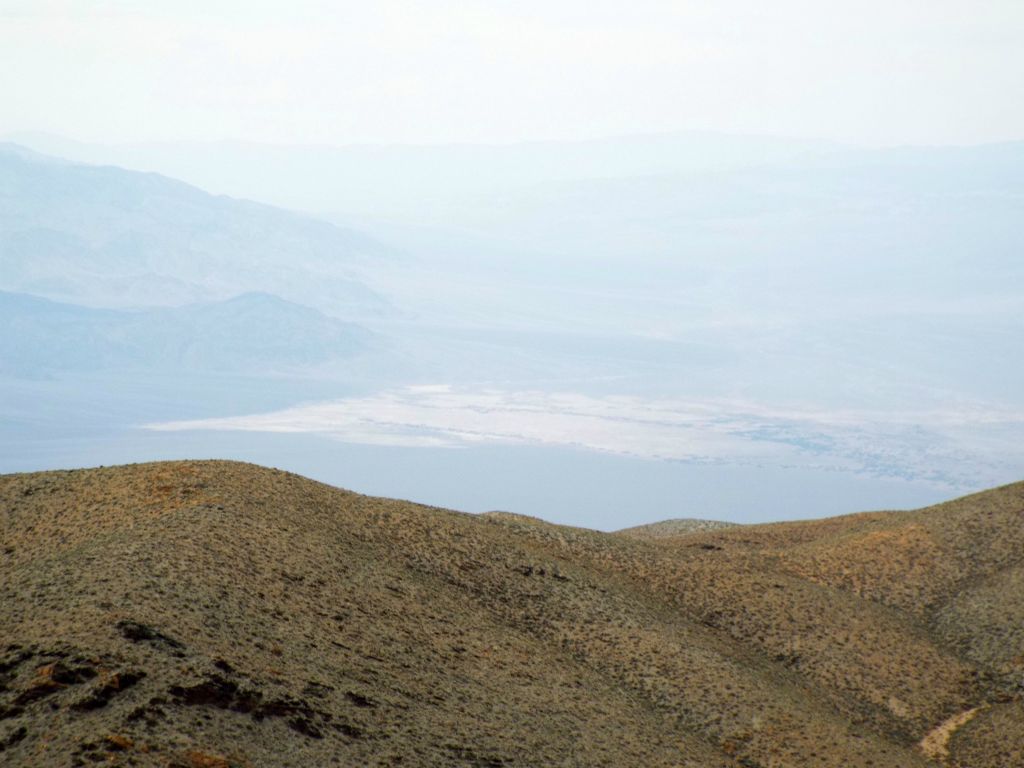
{"type": "Point", "coordinates": [847, 311]}
{"type": "Point", "coordinates": [251, 333]}
{"type": "Point", "coordinates": [107, 237]}
{"type": "Point", "coordinates": [421, 181]}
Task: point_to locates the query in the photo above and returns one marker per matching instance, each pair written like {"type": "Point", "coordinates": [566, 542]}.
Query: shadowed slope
{"type": "Point", "coordinates": [215, 613]}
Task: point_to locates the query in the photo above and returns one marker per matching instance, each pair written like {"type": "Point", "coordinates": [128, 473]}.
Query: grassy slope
{"type": "Point", "coordinates": [215, 613]}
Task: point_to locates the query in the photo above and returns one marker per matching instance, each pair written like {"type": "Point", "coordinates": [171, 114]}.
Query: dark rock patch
{"type": "Point", "coordinates": [13, 737]}
{"type": "Point", "coordinates": [138, 633]}
{"type": "Point", "coordinates": [110, 686]}
{"type": "Point", "coordinates": [219, 692]}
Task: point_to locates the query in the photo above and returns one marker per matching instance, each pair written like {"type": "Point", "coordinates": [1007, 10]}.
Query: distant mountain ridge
{"type": "Point", "coordinates": [104, 236]}
{"type": "Point", "coordinates": [253, 332]}
{"type": "Point", "coordinates": [413, 179]}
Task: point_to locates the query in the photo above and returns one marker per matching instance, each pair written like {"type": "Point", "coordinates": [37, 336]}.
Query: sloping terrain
{"type": "Point", "coordinates": [675, 527]}
{"type": "Point", "coordinates": [254, 332]}
{"type": "Point", "coordinates": [107, 237]}
{"type": "Point", "coordinates": [219, 614]}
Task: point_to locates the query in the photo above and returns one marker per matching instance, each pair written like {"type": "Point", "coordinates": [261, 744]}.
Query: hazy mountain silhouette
{"type": "Point", "coordinates": [253, 332]}
{"type": "Point", "coordinates": [104, 236]}
{"type": "Point", "coordinates": [419, 180]}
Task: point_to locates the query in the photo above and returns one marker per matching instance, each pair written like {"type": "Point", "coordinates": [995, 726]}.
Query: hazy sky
{"type": "Point", "coordinates": [318, 71]}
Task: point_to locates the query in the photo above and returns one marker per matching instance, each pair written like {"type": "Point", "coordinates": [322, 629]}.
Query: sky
{"type": "Point", "coordinates": [874, 72]}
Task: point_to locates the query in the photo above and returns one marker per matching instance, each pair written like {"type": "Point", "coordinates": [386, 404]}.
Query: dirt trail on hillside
{"type": "Point", "coordinates": [935, 745]}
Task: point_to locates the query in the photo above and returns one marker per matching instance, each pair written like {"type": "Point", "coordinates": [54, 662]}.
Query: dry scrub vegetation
{"type": "Point", "coordinates": [222, 614]}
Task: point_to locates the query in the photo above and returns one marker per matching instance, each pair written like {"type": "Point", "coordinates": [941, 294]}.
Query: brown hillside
{"type": "Point", "coordinates": [223, 614]}
{"type": "Point", "coordinates": [676, 527]}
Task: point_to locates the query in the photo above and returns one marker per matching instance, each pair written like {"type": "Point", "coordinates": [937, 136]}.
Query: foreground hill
{"type": "Point", "coordinates": [218, 614]}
